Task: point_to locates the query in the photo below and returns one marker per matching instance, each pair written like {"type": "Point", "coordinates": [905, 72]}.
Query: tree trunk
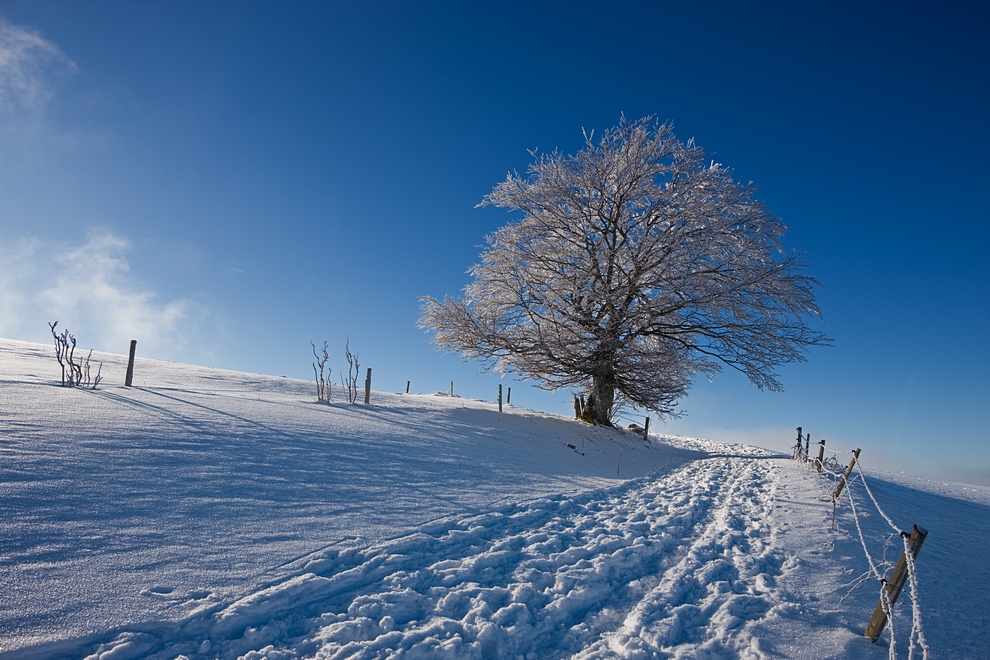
{"type": "Point", "coordinates": [598, 407]}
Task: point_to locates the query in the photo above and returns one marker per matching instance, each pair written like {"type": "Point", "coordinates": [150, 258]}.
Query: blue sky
{"type": "Point", "coordinates": [227, 181]}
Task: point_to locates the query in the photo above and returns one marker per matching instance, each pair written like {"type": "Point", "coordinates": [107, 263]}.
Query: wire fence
{"type": "Point", "coordinates": [891, 577]}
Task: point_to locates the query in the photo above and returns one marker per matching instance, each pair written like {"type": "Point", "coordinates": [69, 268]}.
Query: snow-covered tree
{"type": "Point", "coordinates": [637, 264]}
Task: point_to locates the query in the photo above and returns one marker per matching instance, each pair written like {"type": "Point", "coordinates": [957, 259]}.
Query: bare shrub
{"type": "Point", "coordinates": [86, 380]}
{"type": "Point", "coordinates": [353, 369]}
{"type": "Point", "coordinates": [322, 373]}
{"type": "Point", "coordinates": [324, 385]}
{"type": "Point", "coordinates": [74, 374]}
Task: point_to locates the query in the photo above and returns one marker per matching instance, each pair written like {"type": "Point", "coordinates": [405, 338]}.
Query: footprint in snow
{"type": "Point", "coordinates": [157, 591]}
{"type": "Point", "coordinates": [170, 594]}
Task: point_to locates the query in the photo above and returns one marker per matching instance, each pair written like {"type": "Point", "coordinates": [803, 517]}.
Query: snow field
{"type": "Point", "coordinates": [650, 566]}
{"type": "Point", "coordinates": [198, 486]}
{"type": "Point", "coordinates": [214, 514]}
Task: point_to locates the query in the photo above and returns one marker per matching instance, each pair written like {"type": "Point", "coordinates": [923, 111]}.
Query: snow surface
{"type": "Point", "coordinates": [213, 514]}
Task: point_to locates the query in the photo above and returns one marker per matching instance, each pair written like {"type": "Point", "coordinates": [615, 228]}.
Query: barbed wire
{"type": "Point", "coordinates": [917, 630]}
{"type": "Point", "coordinates": [915, 603]}
{"type": "Point", "coordinates": [885, 603]}
{"type": "Point", "coordinates": [831, 468]}
{"type": "Point", "coordinates": [866, 486]}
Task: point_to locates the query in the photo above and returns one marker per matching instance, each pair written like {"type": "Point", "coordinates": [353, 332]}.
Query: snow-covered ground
{"type": "Point", "coordinates": [207, 513]}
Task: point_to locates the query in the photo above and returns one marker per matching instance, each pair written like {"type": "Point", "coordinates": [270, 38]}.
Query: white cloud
{"type": "Point", "coordinates": [29, 65]}
{"type": "Point", "coordinates": [89, 290]}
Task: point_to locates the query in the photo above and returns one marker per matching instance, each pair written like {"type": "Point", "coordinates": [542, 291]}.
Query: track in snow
{"type": "Point", "coordinates": [671, 566]}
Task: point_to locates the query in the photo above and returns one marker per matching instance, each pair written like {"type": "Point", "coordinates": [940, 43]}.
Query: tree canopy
{"type": "Point", "coordinates": [637, 265]}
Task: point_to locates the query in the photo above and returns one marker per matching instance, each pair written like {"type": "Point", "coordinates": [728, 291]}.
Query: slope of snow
{"type": "Point", "coordinates": [207, 513]}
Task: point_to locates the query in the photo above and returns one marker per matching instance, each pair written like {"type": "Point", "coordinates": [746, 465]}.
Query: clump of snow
{"type": "Point", "coordinates": [207, 513]}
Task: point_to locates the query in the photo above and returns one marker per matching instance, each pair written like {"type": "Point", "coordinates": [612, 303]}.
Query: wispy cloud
{"type": "Point", "coordinates": [89, 289]}
{"type": "Point", "coordinates": [29, 67]}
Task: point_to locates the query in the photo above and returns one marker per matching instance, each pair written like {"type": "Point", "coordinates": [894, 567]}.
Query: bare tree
{"type": "Point", "coordinates": [638, 264]}
{"type": "Point", "coordinates": [324, 384]}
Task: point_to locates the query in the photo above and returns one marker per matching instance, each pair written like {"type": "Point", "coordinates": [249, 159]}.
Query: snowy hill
{"type": "Point", "coordinates": [206, 513]}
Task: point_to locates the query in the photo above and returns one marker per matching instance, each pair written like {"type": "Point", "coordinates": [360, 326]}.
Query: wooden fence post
{"type": "Point", "coordinates": [895, 584]}
{"type": "Point", "coordinates": [577, 406]}
{"type": "Point", "coordinates": [129, 378]}
{"type": "Point", "coordinates": [646, 429]}
{"type": "Point", "coordinates": [407, 387]}
{"type": "Point", "coordinates": [807, 444]}
{"type": "Point", "coordinates": [821, 456]}
{"type": "Point", "coordinates": [451, 388]}
{"type": "Point", "coordinates": [797, 447]}
{"type": "Point", "coordinates": [508, 398]}
{"type": "Point", "coordinates": [842, 482]}
{"type": "Point", "coordinates": [367, 387]}
{"type": "Point", "coordinates": [500, 397]}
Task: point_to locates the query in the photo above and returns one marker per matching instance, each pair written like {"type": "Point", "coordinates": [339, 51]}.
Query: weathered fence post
{"type": "Point", "coordinates": [797, 447]}
{"type": "Point", "coordinates": [895, 584]}
{"type": "Point", "coordinates": [807, 444]}
{"type": "Point", "coordinates": [129, 378]}
{"type": "Point", "coordinates": [367, 387]}
{"type": "Point", "coordinates": [500, 397]}
{"type": "Point", "coordinates": [842, 482]}
{"type": "Point", "coordinates": [451, 388]}
{"type": "Point", "coordinates": [646, 429]}
{"type": "Point", "coordinates": [821, 456]}
{"type": "Point", "coordinates": [508, 398]}
{"type": "Point", "coordinates": [407, 387]}
{"type": "Point", "coordinates": [577, 406]}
